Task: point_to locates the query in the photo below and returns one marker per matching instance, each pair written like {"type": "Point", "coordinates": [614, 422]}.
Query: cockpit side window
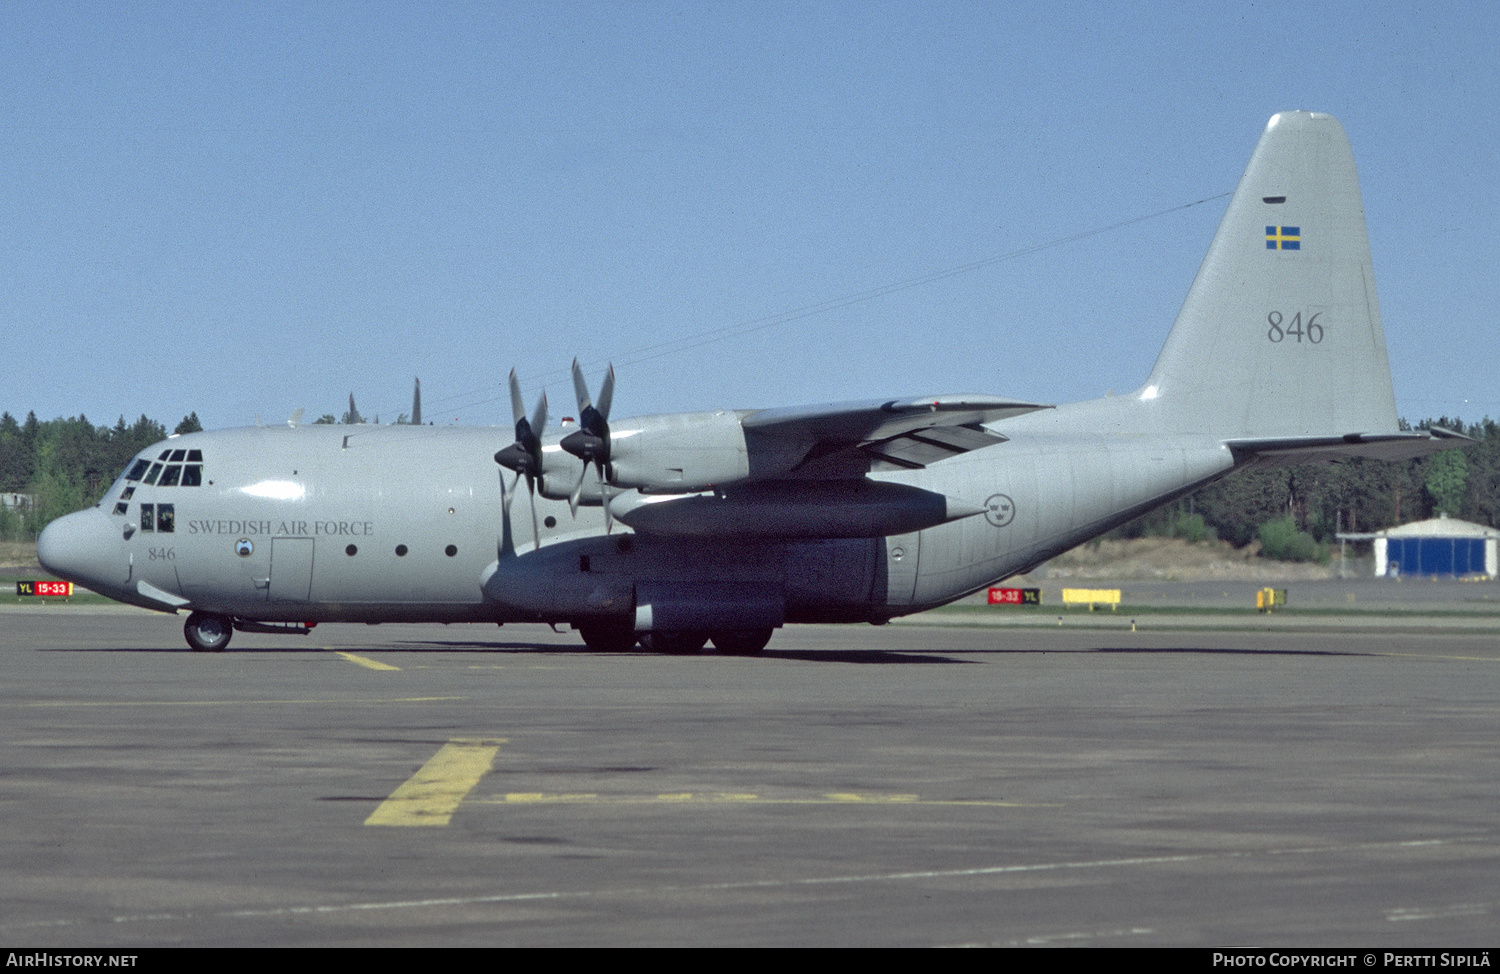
{"type": "Point", "coordinates": [138, 469]}
{"type": "Point", "coordinates": [170, 476]}
{"type": "Point", "coordinates": [148, 517]}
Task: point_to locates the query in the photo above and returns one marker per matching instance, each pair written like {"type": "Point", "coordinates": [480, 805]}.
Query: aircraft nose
{"type": "Point", "coordinates": [72, 546]}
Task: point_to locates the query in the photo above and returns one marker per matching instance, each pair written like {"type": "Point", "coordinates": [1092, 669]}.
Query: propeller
{"type": "Point", "coordinates": [524, 456]}
{"type": "Point", "coordinates": [591, 442]}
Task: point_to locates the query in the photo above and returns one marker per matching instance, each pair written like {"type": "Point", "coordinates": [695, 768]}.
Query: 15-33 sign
{"type": "Point", "coordinates": [52, 589]}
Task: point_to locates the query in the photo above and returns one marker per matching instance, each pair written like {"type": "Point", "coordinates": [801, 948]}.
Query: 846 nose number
{"type": "Point", "coordinates": [1281, 329]}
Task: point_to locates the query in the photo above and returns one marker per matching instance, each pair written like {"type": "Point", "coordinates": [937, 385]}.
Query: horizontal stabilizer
{"type": "Point", "coordinates": [1376, 446]}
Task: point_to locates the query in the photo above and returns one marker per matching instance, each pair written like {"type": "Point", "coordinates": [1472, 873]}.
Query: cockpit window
{"type": "Point", "coordinates": [148, 517]}
{"type": "Point", "coordinates": [168, 471]}
{"type": "Point", "coordinates": [166, 519]}
{"type": "Point", "coordinates": [121, 508]}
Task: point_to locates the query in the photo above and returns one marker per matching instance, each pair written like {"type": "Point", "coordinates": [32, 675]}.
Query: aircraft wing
{"type": "Point", "coordinates": [907, 433]}
{"type": "Point", "coordinates": [1404, 445]}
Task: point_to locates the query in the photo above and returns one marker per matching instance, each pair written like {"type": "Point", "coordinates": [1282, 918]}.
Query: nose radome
{"type": "Point", "coordinates": [72, 547]}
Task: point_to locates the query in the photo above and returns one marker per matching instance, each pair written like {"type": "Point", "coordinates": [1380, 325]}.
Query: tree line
{"type": "Point", "coordinates": [1296, 511]}
{"type": "Point", "coordinates": [65, 465]}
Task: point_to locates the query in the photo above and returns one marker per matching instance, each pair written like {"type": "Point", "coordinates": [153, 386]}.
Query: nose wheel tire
{"type": "Point", "coordinates": [207, 633]}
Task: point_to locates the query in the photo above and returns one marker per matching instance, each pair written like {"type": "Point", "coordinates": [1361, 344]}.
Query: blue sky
{"type": "Point", "coordinates": [241, 209]}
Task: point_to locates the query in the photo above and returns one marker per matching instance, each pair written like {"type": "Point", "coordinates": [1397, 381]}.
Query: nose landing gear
{"type": "Point", "coordinates": [207, 633]}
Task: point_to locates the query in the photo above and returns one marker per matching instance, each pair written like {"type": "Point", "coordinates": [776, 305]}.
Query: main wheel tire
{"type": "Point", "coordinates": [608, 637]}
{"type": "Point", "coordinates": [207, 633]}
{"type": "Point", "coordinates": [676, 642]}
{"type": "Point", "coordinates": [742, 642]}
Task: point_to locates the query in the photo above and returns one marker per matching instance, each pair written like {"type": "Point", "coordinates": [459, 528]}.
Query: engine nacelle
{"type": "Point", "coordinates": [678, 454]}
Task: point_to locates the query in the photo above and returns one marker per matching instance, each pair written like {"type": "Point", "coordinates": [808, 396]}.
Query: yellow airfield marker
{"type": "Point", "coordinates": [433, 794]}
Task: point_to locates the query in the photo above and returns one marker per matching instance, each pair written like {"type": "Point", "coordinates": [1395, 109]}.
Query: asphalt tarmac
{"type": "Point", "coordinates": [909, 785]}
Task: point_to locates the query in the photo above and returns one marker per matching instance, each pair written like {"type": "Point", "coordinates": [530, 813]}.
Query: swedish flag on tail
{"type": "Point", "coordinates": [1283, 238]}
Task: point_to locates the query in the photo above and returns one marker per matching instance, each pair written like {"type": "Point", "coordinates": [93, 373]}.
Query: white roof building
{"type": "Point", "coordinates": [1442, 546]}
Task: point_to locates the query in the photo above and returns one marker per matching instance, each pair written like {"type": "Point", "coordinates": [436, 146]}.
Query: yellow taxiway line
{"type": "Point", "coordinates": [365, 662]}
{"type": "Point", "coordinates": [723, 798]}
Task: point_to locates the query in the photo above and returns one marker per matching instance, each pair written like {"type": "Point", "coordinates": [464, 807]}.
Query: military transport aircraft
{"type": "Point", "coordinates": [673, 530]}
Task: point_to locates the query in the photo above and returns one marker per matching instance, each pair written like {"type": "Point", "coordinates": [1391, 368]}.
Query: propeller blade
{"type": "Point", "coordinates": [517, 405]}
{"type": "Point", "coordinates": [536, 530]}
{"type": "Point", "coordinates": [606, 392]}
{"type": "Point", "coordinates": [506, 496]}
{"type": "Point", "coordinates": [590, 443]}
{"type": "Point", "coordinates": [539, 420]}
{"type": "Point", "coordinates": [609, 518]}
{"type": "Point", "coordinates": [574, 497]}
{"type": "Point", "coordinates": [524, 456]}
{"type": "Point", "coordinates": [580, 389]}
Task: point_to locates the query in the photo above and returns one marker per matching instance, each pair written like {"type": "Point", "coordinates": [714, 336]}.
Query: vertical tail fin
{"type": "Point", "coordinates": [1280, 334]}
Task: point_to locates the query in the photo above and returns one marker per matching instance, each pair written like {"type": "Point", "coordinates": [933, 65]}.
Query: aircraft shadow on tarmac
{"type": "Point", "coordinates": [866, 656]}
{"type": "Point", "coordinates": [859, 656]}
